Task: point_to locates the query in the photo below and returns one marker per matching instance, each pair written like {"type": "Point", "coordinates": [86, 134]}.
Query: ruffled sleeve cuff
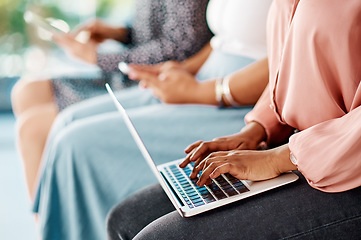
{"type": "Point", "coordinates": [262, 113]}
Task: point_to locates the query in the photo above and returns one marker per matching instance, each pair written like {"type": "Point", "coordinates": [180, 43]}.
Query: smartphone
{"type": "Point", "coordinates": [124, 68]}
{"type": "Point", "coordinates": [49, 24]}
{"type": "Point", "coordinates": [52, 24]}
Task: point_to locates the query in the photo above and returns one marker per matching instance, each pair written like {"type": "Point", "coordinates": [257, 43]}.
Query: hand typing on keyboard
{"type": "Point", "coordinates": [236, 155]}
{"type": "Point", "coordinates": [248, 139]}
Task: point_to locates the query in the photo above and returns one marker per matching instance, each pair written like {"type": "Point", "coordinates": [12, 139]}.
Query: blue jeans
{"type": "Point", "coordinates": [295, 211]}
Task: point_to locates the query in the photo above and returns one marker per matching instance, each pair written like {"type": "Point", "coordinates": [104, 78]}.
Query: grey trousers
{"type": "Point", "coordinates": [295, 211]}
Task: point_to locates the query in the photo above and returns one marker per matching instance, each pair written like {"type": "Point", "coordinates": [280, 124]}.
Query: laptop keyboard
{"type": "Point", "coordinates": [222, 187]}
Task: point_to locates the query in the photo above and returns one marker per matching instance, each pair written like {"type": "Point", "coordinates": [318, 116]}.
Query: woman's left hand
{"type": "Point", "coordinates": [245, 164]}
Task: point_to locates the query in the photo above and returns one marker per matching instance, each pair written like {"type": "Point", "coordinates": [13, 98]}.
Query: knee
{"type": "Point", "coordinates": [169, 226]}
{"type": "Point", "coordinates": [71, 143]}
{"type": "Point", "coordinates": [113, 224]}
{"type": "Point", "coordinates": [69, 115]}
{"type": "Point", "coordinates": [29, 126]}
{"type": "Point", "coordinates": [27, 93]}
{"type": "Point", "coordinates": [35, 123]}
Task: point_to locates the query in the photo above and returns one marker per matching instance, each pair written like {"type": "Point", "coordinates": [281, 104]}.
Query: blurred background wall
{"type": "Point", "coordinates": [25, 50]}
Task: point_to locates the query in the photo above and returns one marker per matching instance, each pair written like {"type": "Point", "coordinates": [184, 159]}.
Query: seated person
{"type": "Point", "coordinates": [162, 30]}
{"type": "Point", "coordinates": [314, 88]}
{"type": "Point", "coordinates": [90, 155]}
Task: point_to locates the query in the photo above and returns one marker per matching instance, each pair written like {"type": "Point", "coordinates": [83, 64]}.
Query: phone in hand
{"type": "Point", "coordinates": [51, 24]}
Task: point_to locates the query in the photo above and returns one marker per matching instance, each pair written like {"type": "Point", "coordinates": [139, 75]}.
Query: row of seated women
{"type": "Point", "coordinates": [305, 79]}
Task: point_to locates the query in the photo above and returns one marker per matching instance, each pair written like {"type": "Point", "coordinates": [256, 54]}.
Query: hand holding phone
{"type": "Point", "coordinates": [52, 25]}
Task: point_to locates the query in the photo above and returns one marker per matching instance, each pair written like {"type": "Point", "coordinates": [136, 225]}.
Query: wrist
{"type": "Point", "coordinates": [218, 89]}
{"type": "Point", "coordinates": [121, 34]}
{"type": "Point", "coordinates": [188, 66]}
{"type": "Point", "coordinates": [204, 93]}
{"type": "Point", "coordinates": [255, 131]}
{"type": "Point", "coordinates": [226, 93]}
{"type": "Point", "coordinates": [282, 159]}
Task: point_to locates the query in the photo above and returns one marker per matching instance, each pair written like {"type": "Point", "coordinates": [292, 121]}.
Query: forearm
{"type": "Point", "coordinates": [120, 34]}
{"type": "Point", "coordinates": [246, 86]}
{"type": "Point", "coordinates": [194, 63]}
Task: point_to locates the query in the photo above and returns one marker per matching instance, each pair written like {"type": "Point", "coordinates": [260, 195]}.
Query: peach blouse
{"type": "Point", "coordinates": [314, 50]}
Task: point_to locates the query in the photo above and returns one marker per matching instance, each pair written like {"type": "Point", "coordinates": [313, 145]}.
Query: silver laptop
{"type": "Point", "coordinates": [185, 195]}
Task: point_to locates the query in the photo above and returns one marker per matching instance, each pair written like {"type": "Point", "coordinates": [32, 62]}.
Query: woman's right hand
{"type": "Point", "coordinates": [249, 138]}
{"type": "Point", "coordinates": [86, 51]}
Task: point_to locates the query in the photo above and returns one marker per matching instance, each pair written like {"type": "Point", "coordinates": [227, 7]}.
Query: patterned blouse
{"type": "Point", "coordinates": [162, 30]}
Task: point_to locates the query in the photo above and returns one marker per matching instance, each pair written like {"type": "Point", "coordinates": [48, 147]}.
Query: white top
{"type": "Point", "coordinates": [239, 26]}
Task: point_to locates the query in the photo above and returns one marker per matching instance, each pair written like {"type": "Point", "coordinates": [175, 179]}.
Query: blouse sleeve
{"type": "Point", "coordinates": [262, 113]}
{"type": "Point", "coordinates": [329, 154]}
{"type": "Point", "coordinates": [182, 34]}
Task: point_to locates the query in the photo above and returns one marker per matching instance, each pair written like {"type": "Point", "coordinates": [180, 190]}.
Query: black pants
{"type": "Point", "coordinates": [295, 211]}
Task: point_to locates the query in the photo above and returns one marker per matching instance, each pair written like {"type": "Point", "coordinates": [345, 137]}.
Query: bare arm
{"type": "Point", "coordinates": [190, 65]}
{"type": "Point", "coordinates": [180, 87]}
{"type": "Point", "coordinates": [100, 31]}
{"type": "Point", "coordinates": [246, 86]}
{"type": "Point", "coordinates": [194, 63]}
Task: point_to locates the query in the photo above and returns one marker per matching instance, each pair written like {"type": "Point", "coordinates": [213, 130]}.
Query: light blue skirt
{"type": "Point", "coordinates": [91, 161]}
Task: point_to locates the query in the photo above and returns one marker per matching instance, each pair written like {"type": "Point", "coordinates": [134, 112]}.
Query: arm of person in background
{"type": "Point", "coordinates": [190, 65]}
{"type": "Point", "coordinates": [86, 48]}
{"type": "Point", "coordinates": [181, 31]}
{"type": "Point", "coordinates": [101, 31]}
{"type": "Point", "coordinates": [179, 86]}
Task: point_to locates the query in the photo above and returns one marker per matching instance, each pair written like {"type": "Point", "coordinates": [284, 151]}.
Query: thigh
{"type": "Point", "coordinates": [125, 219]}
{"type": "Point", "coordinates": [295, 211]}
{"type": "Point", "coordinates": [167, 130]}
{"type": "Point", "coordinates": [130, 98]}
{"type": "Point", "coordinates": [29, 93]}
